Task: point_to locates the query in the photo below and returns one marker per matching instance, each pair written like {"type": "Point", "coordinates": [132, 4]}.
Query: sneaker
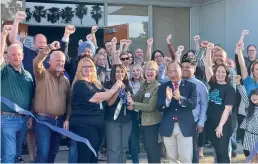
{"type": "Point", "coordinates": [233, 154]}
{"type": "Point", "coordinates": [20, 160]}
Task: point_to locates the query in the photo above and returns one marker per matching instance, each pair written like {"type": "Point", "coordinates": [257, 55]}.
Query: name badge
{"type": "Point", "coordinates": [100, 105]}
{"type": "Point", "coordinates": [147, 95]}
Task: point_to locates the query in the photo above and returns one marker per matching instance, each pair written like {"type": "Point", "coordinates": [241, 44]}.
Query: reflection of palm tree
{"type": "Point", "coordinates": [5, 14]}
{"type": "Point", "coordinates": [80, 11]}
{"type": "Point", "coordinates": [29, 14]}
{"type": "Point", "coordinates": [96, 13]}
{"type": "Point", "coordinates": [39, 13]}
{"type": "Point", "coordinates": [14, 6]}
{"type": "Point", "coordinates": [53, 14]}
{"type": "Point", "coordinates": [67, 14]}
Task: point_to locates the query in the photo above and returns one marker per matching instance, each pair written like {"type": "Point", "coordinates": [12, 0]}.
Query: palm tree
{"type": "Point", "coordinates": [39, 13]}
{"type": "Point", "coordinates": [96, 13]}
{"type": "Point", "coordinates": [67, 14]}
{"type": "Point", "coordinates": [29, 14]}
{"type": "Point", "coordinates": [80, 11]}
{"type": "Point", "coordinates": [53, 14]}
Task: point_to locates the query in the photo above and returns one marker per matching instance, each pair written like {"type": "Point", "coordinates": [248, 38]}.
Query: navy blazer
{"type": "Point", "coordinates": [182, 110]}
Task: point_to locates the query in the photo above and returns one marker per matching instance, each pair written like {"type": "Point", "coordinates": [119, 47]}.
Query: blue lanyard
{"type": "Point", "coordinates": [122, 96]}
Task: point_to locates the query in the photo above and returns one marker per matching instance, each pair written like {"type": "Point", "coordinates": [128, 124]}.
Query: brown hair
{"type": "Point", "coordinates": [113, 74]}
{"type": "Point", "coordinates": [213, 78]}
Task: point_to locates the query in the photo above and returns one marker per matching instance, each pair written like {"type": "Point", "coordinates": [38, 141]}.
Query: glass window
{"type": "Point", "coordinates": [9, 9]}
{"type": "Point", "coordinates": [136, 17]}
{"type": "Point", "coordinates": [61, 14]}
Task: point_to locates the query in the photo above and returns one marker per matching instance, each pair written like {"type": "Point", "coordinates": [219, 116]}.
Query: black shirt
{"type": "Point", "coordinates": [219, 96]}
{"type": "Point", "coordinates": [85, 113]}
{"type": "Point", "coordinates": [124, 116]}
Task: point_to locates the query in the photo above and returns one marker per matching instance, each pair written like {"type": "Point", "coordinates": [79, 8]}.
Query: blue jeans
{"type": "Point", "coordinates": [73, 152]}
{"type": "Point", "coordinates": [13, 129]}
{"type": "Point", "coordinates": [47, 140]}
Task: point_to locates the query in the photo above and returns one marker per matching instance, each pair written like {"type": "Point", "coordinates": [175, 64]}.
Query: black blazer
{"type": "Point", "coordinates": [182, 110]}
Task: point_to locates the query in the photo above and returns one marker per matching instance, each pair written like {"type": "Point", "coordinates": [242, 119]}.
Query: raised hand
{"type": "Point", "coordinates": [55, 45]}
{"type": "Point", "coordinates": [114, 40]}
{"type": "Point", "coordinates": [20, 15]}
{"type": "Point", "coordinates": [210, 46]}
{"type": "Point", "coordinates": [89, 37]}
{"type": "Point", "coordinates": [128, 42]}
{"type": "Point", "coordinates": [150, 42]}
{"type": "Point", "coordinates": [245, 32]}
{"type": "Point", "coordinates": [180, 48]}
{"type": "Point", "coordinates": [196, 38]}
{"type": "Point", "coordinates": [123, 42]}
{"type": "Point", "coordinates": [94, 29]}
{"type": "Point", "coordinates": [7, 29]}
{"type": "Point", "coordinates": [169, 94]}
{"type": "Point", "coordinates": [69, 29]}
{"type": "Point", "coordinates": [204, 44]}
{"type": "Point", "coordinates": [169, 37]}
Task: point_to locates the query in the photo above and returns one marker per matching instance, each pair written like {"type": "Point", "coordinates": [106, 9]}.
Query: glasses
{"type": "Point", "coordinates": [123, 59]}
{"type": "Point", "coordinates": [88, 66]}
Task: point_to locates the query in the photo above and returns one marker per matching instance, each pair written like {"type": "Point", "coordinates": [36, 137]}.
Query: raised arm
{"type": "Point", "coordinates": [38, 66]}
{"type": "Point", "coordinates": [241, 40]}
{"type": "Point", "coordinates": [122, 44]}
{"type": "Point", "coordinates": [7, 29]}
{"type": "Point", "coordinates": [94, 29]}
{"type": "Point", "coordinates": [178, 53]}
{"type": "Point", "coordinates": [196, 42]}
{"type": "Point", "coordinates": [208, 62]}
{"type": "Point", "coordinates": [241, 60]}
{"type": "Point", "coordinates": [20, 15]}
{"type": "Point", "coordinates": [69, 29]}
{"type": "Point", "coordinates": [127, 45]}
{"type": "Point", "coordinates": [149, 47]}
{"type": "Point", "coordinates": [116, 58]}
{"type": "Point", "coordinates": [171, 47]}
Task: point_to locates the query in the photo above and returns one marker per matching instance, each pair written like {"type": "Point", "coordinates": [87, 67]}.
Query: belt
{"type": "Point", "coordinates": [12, 114]}
{"type": "Point", "coordinates": [49, 115]}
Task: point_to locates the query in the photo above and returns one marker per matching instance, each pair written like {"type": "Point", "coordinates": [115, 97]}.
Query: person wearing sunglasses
{"type": "Point", "coordinates": [125, 59]}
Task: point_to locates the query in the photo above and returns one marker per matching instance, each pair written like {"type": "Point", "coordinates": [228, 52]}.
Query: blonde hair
{"type": "Point", "coordinates": [151, 64]}
{"type": "Point", "coordinates": [96, 57]}
{"type": "Point", "coordinates": [131, 71]}
{"type": "Point", "coordinates": [93, 78]}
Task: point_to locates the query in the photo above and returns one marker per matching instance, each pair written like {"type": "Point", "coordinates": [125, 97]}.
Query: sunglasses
{"type": "Point", "coordinates": [123, 59]}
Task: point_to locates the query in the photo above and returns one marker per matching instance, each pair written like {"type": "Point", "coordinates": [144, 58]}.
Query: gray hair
{"type": "Point", "coordinates": [14, 45]}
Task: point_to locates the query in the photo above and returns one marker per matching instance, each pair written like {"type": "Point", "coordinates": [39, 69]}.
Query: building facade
{"type": "Point", "coordinates": [218, 21]}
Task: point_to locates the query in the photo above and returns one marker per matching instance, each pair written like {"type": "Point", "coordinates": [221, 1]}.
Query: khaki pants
{"type": "Point", "coordinates": [179, 148]}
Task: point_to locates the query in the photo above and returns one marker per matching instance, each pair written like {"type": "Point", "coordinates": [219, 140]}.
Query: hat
{"type": "Point", "coordinates": [86, 44]}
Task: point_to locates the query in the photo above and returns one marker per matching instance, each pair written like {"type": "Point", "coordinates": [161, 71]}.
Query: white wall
{"type": "Point", "coordinates": [221, 22]}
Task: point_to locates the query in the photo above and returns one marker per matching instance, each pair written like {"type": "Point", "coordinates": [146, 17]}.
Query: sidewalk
{"type": "Point", "coordinates": [62, 156]}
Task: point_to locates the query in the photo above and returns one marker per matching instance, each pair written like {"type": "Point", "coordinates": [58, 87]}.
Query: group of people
{"type": "Point", "coordinates": [113, 97]}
